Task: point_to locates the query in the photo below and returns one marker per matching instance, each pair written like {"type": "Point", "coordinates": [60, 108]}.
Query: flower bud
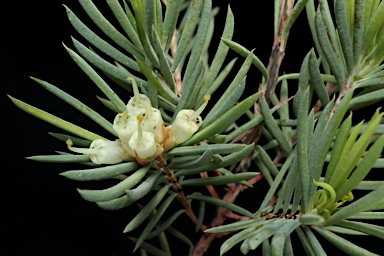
{"type": "Point", "coordinates": [101, 151]}
{"type": "Point", "coordinates": [143, 143]}
{"type": "Point", "coordinates": [153, 123]}
{"type": "Point", "coordinates": [125, 125]}
{"type": "Point", "coordinates": [187, 122]}
{"type": "Point", "coordinates": [135, 104]}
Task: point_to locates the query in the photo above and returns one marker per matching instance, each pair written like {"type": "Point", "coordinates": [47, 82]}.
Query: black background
{"type": "Point", "coordinates": [42, 214]}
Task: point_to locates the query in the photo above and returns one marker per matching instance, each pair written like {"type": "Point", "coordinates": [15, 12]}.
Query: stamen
{"type": "Point", "coordinates": [139, 129]}
{"type": "Point", "coordinates": [197, 113]}
{"type": "Point", "coordinates": [85, 151]}
{"type": "Point", "coordinates": [136, 92]}
{"type": "Point", "coordinates": [69, 142]}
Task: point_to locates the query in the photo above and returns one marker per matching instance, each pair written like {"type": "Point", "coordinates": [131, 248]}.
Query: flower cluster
{"type": "Point", "coordinates": [142, 133]}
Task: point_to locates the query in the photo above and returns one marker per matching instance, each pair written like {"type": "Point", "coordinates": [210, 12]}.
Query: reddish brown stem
{"type": "Point", "coordinates": [161, 162]}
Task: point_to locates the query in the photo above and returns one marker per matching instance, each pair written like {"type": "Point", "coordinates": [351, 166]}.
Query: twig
{"type": "Point", "coordinates": [161, 162]}
{"type": "Point", "coordinates": [278, 49]}
{"type": "Point", "coordinates": [210, 188]}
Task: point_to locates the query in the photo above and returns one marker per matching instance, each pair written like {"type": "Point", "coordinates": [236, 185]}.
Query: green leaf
{"type": "Point", "coordinates": [277, 181]}
{"type": "Point", "coordinates": [324, 143]}
{"type": "Point", "coordinates": [147, 210]}
{"type": "Point", "coordinates": [264, 170]}
{"type": "Point", "coordinates": [154, 220]}
{"type": "Point", "coordinates": [200, 218]}
{"type": "Point", "coordinates": [310, 9]}
{"type": "Point", "coordinates": [284, 110]}
{"type": "Point", "coordinates": [269, 121]}
{"type": "Point", "coordinates": [103, 86]}
{"type": "Point", "coordinates": [145, 187]}
{"type": "Point", "coordinates": [165, 225]}
{"type": "Point", "coordinates": [215, 148]}
{"type": "Point", "coordinates": [288, 250]}
{"type": "Point", "coordinates": [316, 80]}
{"type": "Point", "coordinates": [358, 28]}
{"type": "Point", "coordinates": [187, 162]}
{"type": "Point", "coordinates": [188, 89]}
{"type": "Point", "coordinates": [345, 167]}
{"type": "Point", "coordinates": [254, 239]}
{"type": "Point", "coordinates": [171, 14]}
{"type": "Point", "coordinates": [238, 237]}
{"type": "Point", "coordinates": [108, 28]}
{"type": "Point", "coordinates": [221, 203]}
{"type": "Point", "coordinates": [329, 54]}
{"type": "Point", "coordinates": [60, 158]}
{"type": "Point", "coordinates": [245, 127]}
{"type": "Point", "coordinates": [164, 63]}
{"type": "Point", "coordinates": [179, 235]}
{"type": "Point", "coordinates": [242, 224]}
{"type": "Point", "coordinates": [222, 122]}
{"type": "Point", "coordinates": [369, 185]}
{"type": "Point", "coordinates": [368, 216]}
{"type": "Point", "coordinates": [142, 11]}
{"type": "Point", "coordinates": [343, 30]}
{"type": "Point", "coordinates": [266, 248]}
{"type": "Point", "coordinates": [161, 87]}
{"type": "Point", "coordinates": [122, 18]}
{"type": "Point", "coordinates": [200, 38]}
{"type": "Point", "coordinates": [115, 204]}
{"type": "Point", "coordinates": [115, 191]}
{"type": "Point", "coordinates": [290, 184]}
{"type": "Point", "coordinates": [345, 231]}
{"type": "Point", "coordinates": [366, 228]}
{"type": "Point", "coordinates": [302, 98]}
{"type": "Point", "coordinates": [107, 68]}
{"type": "Point", "coordinates": [338, 147]}
{"type": "Point", "coordinates": [76, 141]}
{"type": "Point", "coordinates": [366, 99]}
{"type": "Point", "coordinates": [56, 121]}
{"type": "Point", "coordinates": [216, 83]}
{"type": "Point", "coordinates": [305, 242]}
{"type": "Point", "coordinates": [210, 83]}
{"type": "Point", "coordinates": [77, 104]}
{"type": "Point", "coordinates": [279, 238]}
{"type": "Point", "coordinates": [188, 30]}
{"type": "Point", "coordinates": [108, 104]}
{"type": "Point", "coordinates": [316, 246]}
{"type": "Point", "coordinates": [230, 101]}
{"type": "Point", "coordinates": [267, 161]}
{"type": "Point", "coordinates": [244, 52]}
{"type": "Point", "coordinates": [99, 43]}
{"type": "Point", "coordinates": [228, 173]}
{"type": "Point", "coordinates": [231, 88]}
{"type": "Point", "coordinates": [311, 219]}
{"type": "Point", "coordinates": [362, 168]}
{"type": "Point", "coordinates": [341, 243]}
{"type": "Point", "coordinates": [150, 248]}
{"type": "Point", "coordinates": [220, 180]}
{"type": "Point", "coordinates": [375, 23]}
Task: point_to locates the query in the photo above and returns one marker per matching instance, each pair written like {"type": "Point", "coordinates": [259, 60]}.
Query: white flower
{"type": "Point", "coordinates": [101, 151]}
{"type": "Point", "coordinates": [125, 125]}
{"type": "Point", "coordinates": [187, 122]}
{"type": "Point", "coordinates": [143, 143]}
{"type": "Point", "coordinates": [153, 123]}
{"type": "Point", "coordinates": [136, 104]}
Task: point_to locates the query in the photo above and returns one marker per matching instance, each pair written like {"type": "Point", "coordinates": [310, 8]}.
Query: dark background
{"type": "Point", "coordinates": [42, 214]}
